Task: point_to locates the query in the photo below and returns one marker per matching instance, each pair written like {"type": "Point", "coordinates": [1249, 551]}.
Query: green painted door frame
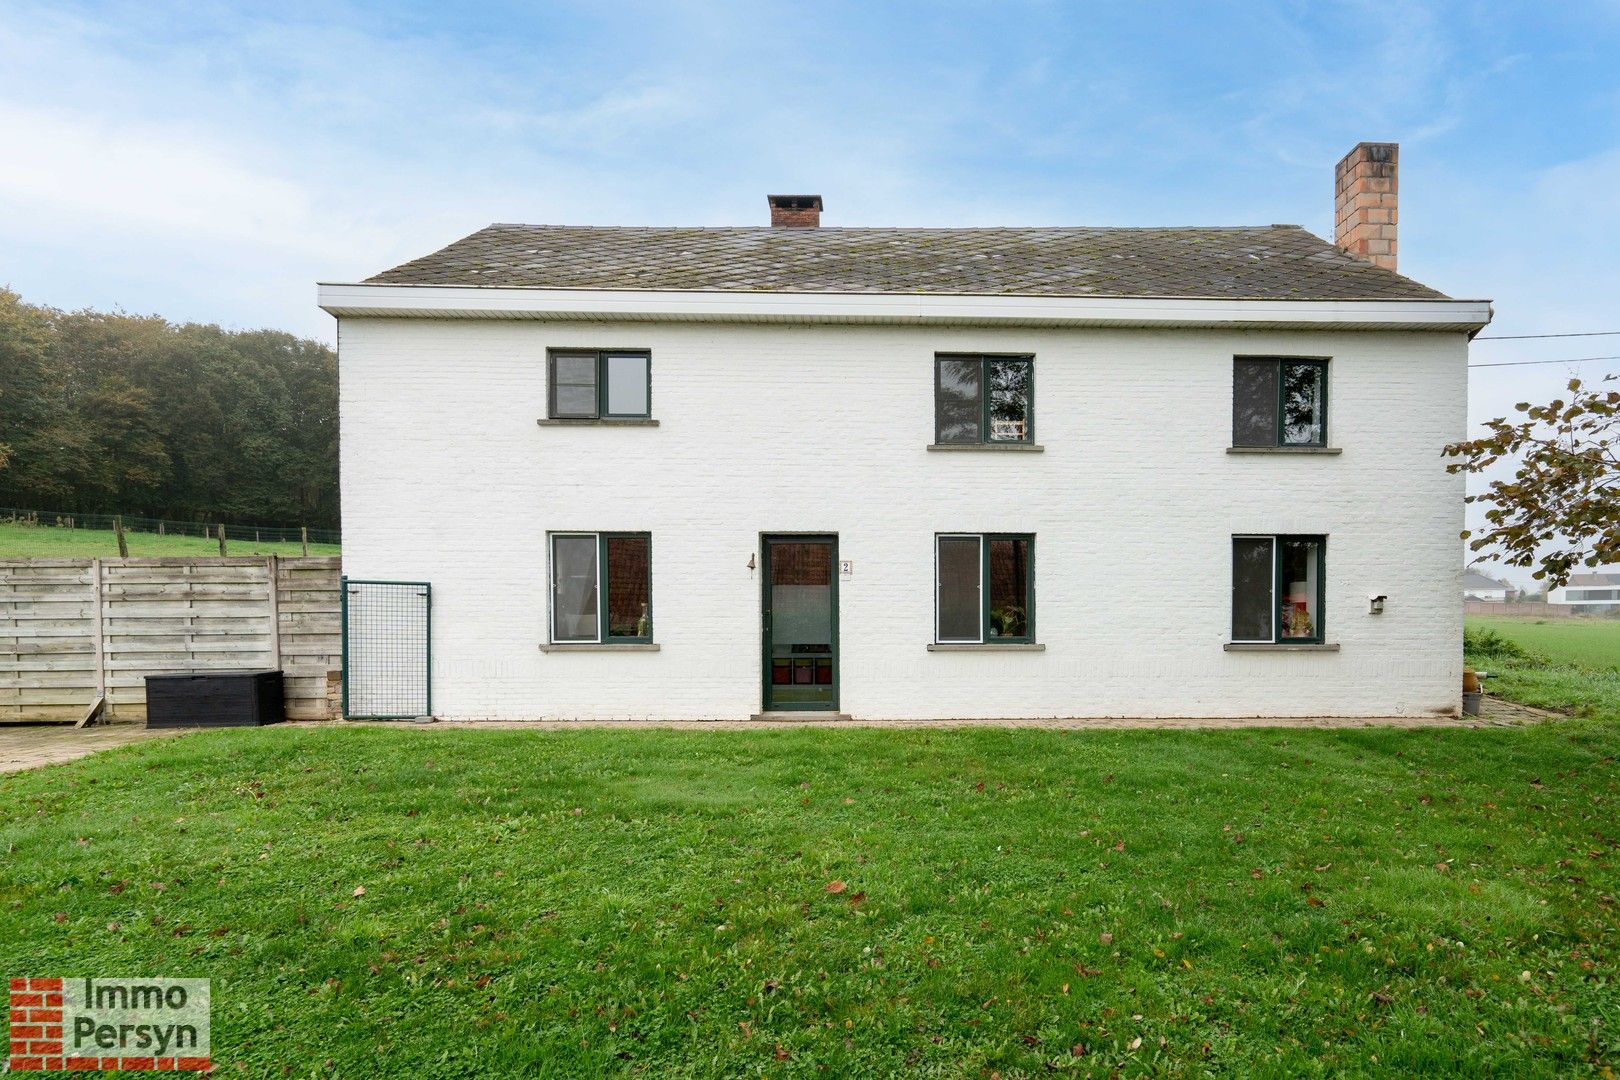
{"type": "Point", "coordinates": [768, 699]}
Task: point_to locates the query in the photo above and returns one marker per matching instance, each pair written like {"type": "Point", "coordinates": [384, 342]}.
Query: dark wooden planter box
{"type": "Point", "coordinates": [214, 699]}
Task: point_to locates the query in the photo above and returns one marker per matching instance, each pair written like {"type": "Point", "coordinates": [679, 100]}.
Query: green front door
{"type": "Point", "coordinates": [801, 622]}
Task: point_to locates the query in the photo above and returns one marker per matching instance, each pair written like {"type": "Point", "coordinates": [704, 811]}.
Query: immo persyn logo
{"type": "Point", "coordinates": [110, 1024]}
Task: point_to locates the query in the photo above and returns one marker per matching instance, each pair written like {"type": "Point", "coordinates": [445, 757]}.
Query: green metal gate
{"type": "Point", "coordinates": [387, 649]}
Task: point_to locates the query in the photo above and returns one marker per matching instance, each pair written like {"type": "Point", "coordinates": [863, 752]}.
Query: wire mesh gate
{"type": "Point", "coordinates": [387, 649]}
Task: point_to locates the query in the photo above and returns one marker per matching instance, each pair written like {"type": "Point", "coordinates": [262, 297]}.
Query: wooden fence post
{"type": "Point", "coordinates": [303, 531]}
{"type": "Point", "coordinates": [99, 632]}
{"type": "Point", "coordinates": [272, 566]}
{"type": "Point", "coordinates": [118, 531]}
{"type": "Point", "coordinates": [222, 541]}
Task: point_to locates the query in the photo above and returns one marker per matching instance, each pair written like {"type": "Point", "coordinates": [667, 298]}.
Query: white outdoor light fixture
{"type": "Point", "coordinates": [1375, 603]}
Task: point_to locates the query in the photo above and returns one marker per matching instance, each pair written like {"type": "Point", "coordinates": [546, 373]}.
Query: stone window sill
{"type": "Point", "coordinates": [1284, 450]}
{"type": "Point", "coordinates": [606, 421]}
{"type": "Point", "coordinates": [994, 448]}
{"type": "Point", "coordinates": [1261, 646]}
{"type": "Point", "coordinates": [596, 646]}
{"type": "Point", "coordinates": [985, 646]}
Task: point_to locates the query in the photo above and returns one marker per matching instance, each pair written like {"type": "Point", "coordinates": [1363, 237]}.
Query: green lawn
{"type": "Point", "coordinates": [49, 542]}
{"type": "Point", "coordinates": [1568, 664]}
{"type": "Point", "coordinates": [845, 903]}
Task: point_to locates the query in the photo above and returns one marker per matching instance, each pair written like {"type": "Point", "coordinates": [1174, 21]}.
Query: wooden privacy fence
{"type": "Point", "coordinates": [73, 629]}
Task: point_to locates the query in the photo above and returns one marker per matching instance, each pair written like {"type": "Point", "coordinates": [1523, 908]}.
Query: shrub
{"type": "Point", "coordinates": [1489, 644]}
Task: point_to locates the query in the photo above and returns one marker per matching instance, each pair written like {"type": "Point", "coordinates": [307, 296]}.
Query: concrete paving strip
{"type": "Point", "coordinates": [29, 746]}
{"type": "Point", "coordinates": [1494, 713]}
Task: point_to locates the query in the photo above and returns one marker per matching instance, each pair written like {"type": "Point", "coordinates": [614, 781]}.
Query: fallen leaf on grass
{"type": "Point", "coordinates": [1105, 938]}
{"type": "Point", "coordinates": [836, 887]}
{"type": "Point", "coordinates": [1134, 1044]}
{"type": "Point", "coordinates": [359, 890]}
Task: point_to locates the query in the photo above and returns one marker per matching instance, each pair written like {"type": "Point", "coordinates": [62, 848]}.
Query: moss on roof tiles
{"type": "Point", "coordinates": [1266, 262]}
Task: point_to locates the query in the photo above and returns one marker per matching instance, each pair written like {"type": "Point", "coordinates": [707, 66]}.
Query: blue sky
{"type": "Point", "coordinates": [212, 161]}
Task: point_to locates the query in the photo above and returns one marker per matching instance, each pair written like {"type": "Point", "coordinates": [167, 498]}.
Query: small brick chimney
{"type": "Point", "coordinates": [795, 211]}
{"type": "Point", "coordinates": [1364, 202]}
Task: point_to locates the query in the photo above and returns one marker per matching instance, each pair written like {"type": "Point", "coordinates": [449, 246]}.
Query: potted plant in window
{"type": "Point", "coordinates": [1296, 621]}
{"type": "Point", "coordinates": [1007, 621]}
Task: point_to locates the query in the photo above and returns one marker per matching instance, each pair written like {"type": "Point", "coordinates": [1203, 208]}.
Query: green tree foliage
{"type": "Point", "coordinates": [1562, 507]}
{"type": "Point", "coordinates": [112, 413]}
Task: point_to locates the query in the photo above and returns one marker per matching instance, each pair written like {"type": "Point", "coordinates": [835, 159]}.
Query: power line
{"type": "Point", "coordinates": [1527, 337]}
{"type": "Point", "coordinates": [1531, 363]}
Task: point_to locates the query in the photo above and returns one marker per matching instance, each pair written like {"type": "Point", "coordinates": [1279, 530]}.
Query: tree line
{"type": "Point", "coordinates": [131, 414]}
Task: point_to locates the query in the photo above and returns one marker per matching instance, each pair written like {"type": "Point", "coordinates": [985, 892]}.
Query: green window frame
{"type": "Point", "coordinates": [599, 384]}
{"type": "Point", "coordinates": [998, 622]}
{"type": "Point", "coordinates": [1282, 614]}
{"type": "Point", "coordinates": [620, 573]}
{"type": "Point", "coordinates": [953, 407]}
{"type": "Point", "coordinates": [1267, 390]}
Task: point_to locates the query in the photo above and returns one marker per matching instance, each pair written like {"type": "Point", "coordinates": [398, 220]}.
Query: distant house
{"type": "Point", "coordinates": [1476, 586]}
{"type": "Point", "coordinates": [1597, 593]}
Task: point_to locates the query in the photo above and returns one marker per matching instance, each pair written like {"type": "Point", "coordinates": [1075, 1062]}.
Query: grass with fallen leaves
{"type": "Point", "coordinates": [843, 903]}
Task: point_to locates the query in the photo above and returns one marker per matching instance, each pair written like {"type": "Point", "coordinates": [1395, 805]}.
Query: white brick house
{"type": "Point", "coordinates": [1202, 454]}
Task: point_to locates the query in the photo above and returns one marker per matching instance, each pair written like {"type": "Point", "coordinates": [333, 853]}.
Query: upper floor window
{"type": "Point", "coordinates": [1278, 585]}
{"type": "Point", "coordinates": [1279, 401]}
{"type": "Point", "coordinates": [600, 384]}
{"type": "Point", "coordinates": [984, 399]}
{"type": "Point", "coordinates": [985, 588]}
{"type": "Point", "coordinates": [601, 588]}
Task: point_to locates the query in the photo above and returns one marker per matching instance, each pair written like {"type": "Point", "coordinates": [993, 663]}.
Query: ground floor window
{"type": "Point", "coordinates": [601, 588]}
{"type": "Point", "coordinates": [985, 588]}
{"type": "Point", "coordinates": [1278, 589]}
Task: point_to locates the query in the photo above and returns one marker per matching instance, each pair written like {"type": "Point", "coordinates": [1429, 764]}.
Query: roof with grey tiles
{"type": "Point", "coordinates": [1276, 262]}
{"type": "Point", "coordinates": [1577, 581]}
{"type": "Point", "coordinates": [1473, 579]}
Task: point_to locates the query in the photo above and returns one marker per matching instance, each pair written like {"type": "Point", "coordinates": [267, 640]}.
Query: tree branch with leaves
{"type": "Point", "coordinates": [1561, 510]}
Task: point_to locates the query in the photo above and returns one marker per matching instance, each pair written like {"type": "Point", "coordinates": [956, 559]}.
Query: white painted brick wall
{"type": "Point", "coordinates": [447, 477]}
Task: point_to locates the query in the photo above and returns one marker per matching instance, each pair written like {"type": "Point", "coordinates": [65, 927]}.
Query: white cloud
{"type": "Point", "coordinates": [146, 179]}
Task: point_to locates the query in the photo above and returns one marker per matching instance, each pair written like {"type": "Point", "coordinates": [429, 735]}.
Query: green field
{"type": "Point", "coordinates": [1593, 643]}
{"type": "Point", "coordinates": [50, 542]}
{"type": "Point", "coordinates": [1572, 665]}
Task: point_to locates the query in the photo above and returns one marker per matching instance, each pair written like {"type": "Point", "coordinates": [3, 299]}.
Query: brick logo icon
{"type": "Point", "coordinates": [109, 1024]}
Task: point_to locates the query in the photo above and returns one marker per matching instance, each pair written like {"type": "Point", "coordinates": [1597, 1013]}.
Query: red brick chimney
{"type": "Point", "coordinates": [795, 211]}
{"type": "Point", "coordinates": [1364, 194]}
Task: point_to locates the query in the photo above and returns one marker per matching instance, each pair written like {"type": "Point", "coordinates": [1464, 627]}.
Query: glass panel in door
{"type": "Point", "coordinates": [800, 621]}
